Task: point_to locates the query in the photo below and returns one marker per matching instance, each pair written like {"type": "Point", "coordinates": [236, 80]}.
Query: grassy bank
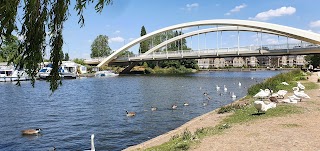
{"type": "Point", "coordinates": [242, 113]}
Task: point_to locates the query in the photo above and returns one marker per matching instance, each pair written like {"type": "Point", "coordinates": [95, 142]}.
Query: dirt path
{"type": "Point", "coordinates": [292, 132]}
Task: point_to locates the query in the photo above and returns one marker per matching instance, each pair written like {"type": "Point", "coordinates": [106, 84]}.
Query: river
{"type": "Point", "coordinates": [86, 106]}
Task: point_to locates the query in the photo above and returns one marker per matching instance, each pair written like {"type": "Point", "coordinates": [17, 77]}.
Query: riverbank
{"type": "Point", "coordinates": [293, 131]}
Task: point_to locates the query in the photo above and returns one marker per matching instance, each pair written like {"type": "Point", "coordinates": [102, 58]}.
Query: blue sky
{"type": "Point", "coordinates": [122, 21]}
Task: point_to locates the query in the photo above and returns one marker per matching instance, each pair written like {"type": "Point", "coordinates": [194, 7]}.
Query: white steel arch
{"type": "Point", "coordinates": [208, 30]}
{"type": "Point", "coordinates": [272, 28]}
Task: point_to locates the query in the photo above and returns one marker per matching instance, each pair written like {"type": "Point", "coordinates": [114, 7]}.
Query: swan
{"type": "Point", "coordinates": [225, 88]}
{"type": "Point", "coordinates": [300, 86]}
{"type": "Point", "coordinates": [263, 107]}
{"type": "Point", "coordinates": [300, 94]}
{"type": "Point", "coordinates": [284, 83]}
{"type": "Point", "coordinates": [92, 143]}
{"type": "Point", "coordinates": [282, 93]}
{"type": "Point", "coordinates": [129, 114]}
{"type": "Point", "coordinates": [153, 108]}
{"type": "Point", "coordinates": [217, 87]}
{"type": "Point", "coordinates": [291, 99]}
{"type": "Point", "coordinates": [239, 84]}
{"type": "Point", "coordinates": [261, 94]}
{"type": "Point", "coordinates": [31, 131]}
{"type": "Point", "coordinates": [233, 96]}
{"type": "Point", "coordinates": [174, 106]}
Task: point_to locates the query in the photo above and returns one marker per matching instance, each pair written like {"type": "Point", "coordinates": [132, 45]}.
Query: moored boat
{"type": "Point", "coordinates": [105, 73]}
{"type": "Point", "coordinates": [9, 74]}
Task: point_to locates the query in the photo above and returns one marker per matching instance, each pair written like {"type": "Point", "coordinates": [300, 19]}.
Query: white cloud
{"type": "Point", "coordinates": [274, 13]}
{"type": "Point", "coordinates": [117, 32]}
{"type": "Point", "coordinates": [116, 39]}
{"type": "Point", "coordinates": [236, 9]}
{"type": "Point", "coordinates": [190, 7]}
{"type": "Point", "coordinates": [315, 24]}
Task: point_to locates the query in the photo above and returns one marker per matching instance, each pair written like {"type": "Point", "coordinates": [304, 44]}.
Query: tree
{"type": "Point", "coordinates": [66, 57]}
{"type": "Point", "coordinates": [313, 60]}
{"type": "Point", "coordinates": [144, 46]}
{"type": "Point", "coordinates": [39, 18]}
{"type": "Point", "coordinates": [79, 61]}
{"type": "Point", "coordinates": [8, 49]}
{"type": "Point", "coordinates": [100, 47]}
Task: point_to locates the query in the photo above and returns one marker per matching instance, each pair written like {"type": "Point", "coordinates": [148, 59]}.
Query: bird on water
{"type": "Point", "coordinates": [31, 131]}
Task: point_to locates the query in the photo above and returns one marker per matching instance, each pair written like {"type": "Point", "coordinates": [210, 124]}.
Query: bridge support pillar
{"type": "Point", "coordinates": [128, 68]}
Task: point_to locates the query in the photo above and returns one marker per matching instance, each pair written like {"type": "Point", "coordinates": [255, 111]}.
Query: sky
{"type": "Point", "coordinates": [122, 21]}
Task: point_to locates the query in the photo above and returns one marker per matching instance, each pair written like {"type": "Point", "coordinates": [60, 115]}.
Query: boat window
{"type": "Point", "coordinates": [2, 72]}
{"type": "Point", "coordinates": [43, 70]}
{"type": "Point", "coordinates": [9, 73]}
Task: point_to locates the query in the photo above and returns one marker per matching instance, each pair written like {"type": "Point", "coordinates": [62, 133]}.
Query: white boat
{"type": "Point", "coordinates": [44, 73]}
{"type": "Point", "coordinates": [9, 74]}
{"type": "Point", "coordinates": [105, 73]}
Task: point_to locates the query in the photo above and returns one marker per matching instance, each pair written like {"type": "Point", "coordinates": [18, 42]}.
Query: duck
{"type": "Point", "coordinates": [92, 143]}
{"type": "Point", "coordinates": [239, 84]}
{"type": "Point", "coordinates": [225, 88]}
{"type": "Point", "coordinates": [186, 104]}
{"type": "Point", "coordinates": [174, 106]}
{"type": "Point", "coordinates": [130, 114]}
{"type": "Point", "coordinates": [153, 108]}
{"type": "Point", "coordinates": [31, 131]}
{"type": "Point", "coordinates": [273, 99]}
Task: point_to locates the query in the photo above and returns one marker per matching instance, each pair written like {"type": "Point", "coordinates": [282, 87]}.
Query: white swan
{"type": "Point", "coordinates": [284, 83]}
{"type": "Point", "coordinates": [92, 143]}
{"type": "Point", "coordinates": [261, 94]}
{"type": "Point", "coordinates": [300, 86]}
{"type": "Point", "coordinates": [217, 87]}
{"type": "Point", "coordinates": [291, 99]}
{"type": "Point", "coordinates": [300, 94]}
{"type": "Point", "coordinates": [233, 96]}
{"type": "Point", "coordinates": [263, 107]}
{"type": "Point", "coordinates": [225, 88]}
{"type": "Point", "coordinates": [282, 93]}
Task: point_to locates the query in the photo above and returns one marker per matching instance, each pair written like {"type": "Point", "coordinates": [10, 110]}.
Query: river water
{"type": "Point", "coordinates": [86, 106]}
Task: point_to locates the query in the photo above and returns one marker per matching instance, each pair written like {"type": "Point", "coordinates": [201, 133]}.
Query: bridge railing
{"type": "Point", "coordinates": [207, 52]}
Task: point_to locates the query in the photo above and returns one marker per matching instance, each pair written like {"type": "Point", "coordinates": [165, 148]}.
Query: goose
{"type": "Point", "coordinates": [284, 83]}
{"type": "Point", "coordinates": [217, 87]}
{"type": "Point", "coordinates": [129, 114]}
{"type": "Point", "coordinates": [174, 106]}
{"type": "Point", "coordinates": [31, 131]}
{"type": "Point", "coordinates": [225, 88]}
{"type": "Point", "coordinates": [239, 84]}
{"type": "Point", "coordinates": [92, 143]}
{"type": "Point", "coordinates": [300, 86]}
{"type": "Point", "coordinates": [263, 107]}
{"type": "Point", "coordinates": [153, 108]}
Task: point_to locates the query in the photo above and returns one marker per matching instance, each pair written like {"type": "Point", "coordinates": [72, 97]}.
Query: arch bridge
{"type": "Point", "coordinates": [306, 42]}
